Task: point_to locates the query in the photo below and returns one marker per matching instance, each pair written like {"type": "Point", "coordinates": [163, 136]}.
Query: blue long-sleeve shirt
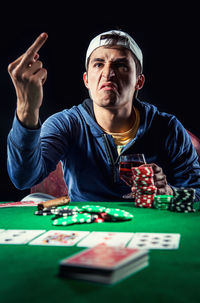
{"type": "Point", "coordinates": [89, 156]}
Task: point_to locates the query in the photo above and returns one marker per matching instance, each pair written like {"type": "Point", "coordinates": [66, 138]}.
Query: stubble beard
{"type": "Point", "coordinates": [108, 100]}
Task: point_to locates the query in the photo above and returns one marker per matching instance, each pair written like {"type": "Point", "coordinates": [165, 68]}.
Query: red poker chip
{"type": "Point", "coordinates": [144, 205]}
{"type": "Point", "coordinates": [147, 188]}
{"type": "Point", "coordinates": [142, 183]}
{"type": "Point", "coordinates": [144, 200]}
{"type": "Point", "coordinates": [144, 197]}
{"type": "Point", "coordinates": [140, 191]}
{"type": "Point", "coordinates": [99, 220]}
{"type": "Point", "coordinates": [145, 192]}
{"type": "Point", "coordinates": [142, 177]}
{"type": "Point", "coordinates": [142, 170]}
{"type": "Point", "coordinates": [147, 201]}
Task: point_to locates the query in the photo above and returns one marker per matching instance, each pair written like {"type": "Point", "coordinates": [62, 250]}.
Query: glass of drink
{"type": "Point", "coordinates": [125, 165]}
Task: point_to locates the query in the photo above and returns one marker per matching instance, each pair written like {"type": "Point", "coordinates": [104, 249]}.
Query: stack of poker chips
{"type": "Point", "coordinates": [145, 189]}
{"type": "Point", "coordinates": [162, 202]}
{"type": "Point", "coordinates": [184, 200]}
{"type": "Point", "coordinates": [68, 215]}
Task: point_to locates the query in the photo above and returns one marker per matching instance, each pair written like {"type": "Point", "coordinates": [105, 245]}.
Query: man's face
{"type": "Point", "coordinates": [111, 77]}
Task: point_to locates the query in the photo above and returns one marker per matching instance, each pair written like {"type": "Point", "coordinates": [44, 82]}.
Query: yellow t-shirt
{"type": "Point", "coordinates": [121, 139]}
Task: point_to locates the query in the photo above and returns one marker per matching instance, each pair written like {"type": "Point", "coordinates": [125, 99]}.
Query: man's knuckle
{"type": "Point", "coordinates": [40, 64]}
{"type": "Point", "coordinates": [44, 70]}
{"type": "Point", "coordinates": [10, 67]}
{"type": "Point", "coordinates": [25, 77]}
{"type": "Point", "coordinates": [16, 74]}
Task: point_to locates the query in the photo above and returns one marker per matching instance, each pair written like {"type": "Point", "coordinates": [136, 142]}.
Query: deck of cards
{"type": "Point", "coordinates": [104, 264]}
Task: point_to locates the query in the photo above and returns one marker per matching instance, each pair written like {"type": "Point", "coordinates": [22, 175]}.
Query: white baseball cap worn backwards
{"type": "Point", "coordinates": [125, 40]}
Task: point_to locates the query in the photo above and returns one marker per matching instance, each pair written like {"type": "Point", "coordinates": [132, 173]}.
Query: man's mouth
{"type": "Point", "coordinates": [109, 86]}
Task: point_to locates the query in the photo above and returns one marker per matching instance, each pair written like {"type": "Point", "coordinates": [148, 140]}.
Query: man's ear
{"type": "Point", "coordinates": [85, 79]}
{"type": "Point", "coordinates": [140, 82]}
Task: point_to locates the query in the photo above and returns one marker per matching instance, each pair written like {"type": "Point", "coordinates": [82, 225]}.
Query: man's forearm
{"type": "Point", "coordinates": [24, 159]}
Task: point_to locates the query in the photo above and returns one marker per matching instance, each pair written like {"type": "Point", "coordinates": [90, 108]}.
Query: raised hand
{"type": "Point", "coordinates": [28, 76]}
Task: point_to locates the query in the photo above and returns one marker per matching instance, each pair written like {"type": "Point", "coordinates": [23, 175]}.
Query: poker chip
{"type": "Point", "coordinates": [184, 200]}
{"type": "Point", "coordinates": [69, 207]}
{"type": "Point", "coordinates": [183, 194]}
{"type": "Point", "coordinates": [163, 198]}
{"type": "Point", "coordinates": [144, 184]}
{"type": "Point", "coordinates": [114, 214]}
{"type": "Point", "coordinates": [108, 214]}
{"type": "Point", "coordinates": [185, 208]}
{"type": "Point", "coordinates": [147, 190]}
{"type": "Point", "coordinates": [143, 201]}
{"type": "Point", "coordinates": [67, 215]}
{"type": "Point", "coordinates": [142, 181]}
{"type": "Point", "coordinates": [161, 206]}
{"type": "Point", "coordinates": [43, 212]}
{"type": "Point", "coordinates": [93, 208]}
{"type": "Point", "coordinates": [162, 202]}
{"type": "Point", "coordinates": [143, 171]}
{"type": "Point", "coordinates": [64, 212]}
{"type": "Point", "coordinates": [77, 219]}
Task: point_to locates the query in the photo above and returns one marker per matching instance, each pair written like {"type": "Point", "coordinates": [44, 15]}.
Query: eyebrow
{"type": "Point", "coordinates": [97, 59]}
{"type": "Point", "coordinates": [118, 60]}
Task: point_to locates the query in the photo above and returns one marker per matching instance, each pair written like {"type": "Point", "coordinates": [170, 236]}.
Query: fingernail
{"type": "Point", "coordinates": [44, 35]}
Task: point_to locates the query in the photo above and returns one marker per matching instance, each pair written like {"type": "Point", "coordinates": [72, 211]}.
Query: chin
{"type": "Point", "coordinates": [108, 101]}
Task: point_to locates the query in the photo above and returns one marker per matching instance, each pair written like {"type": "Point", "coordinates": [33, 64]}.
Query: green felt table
{"type": "Point", "coordinates": [30, 273]}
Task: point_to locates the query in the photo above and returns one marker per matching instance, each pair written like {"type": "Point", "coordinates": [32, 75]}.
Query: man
{"type": "Point", "coordinates": [89, 138]}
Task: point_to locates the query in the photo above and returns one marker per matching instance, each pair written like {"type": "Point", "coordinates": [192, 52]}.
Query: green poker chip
{"type": "Point", "coordinates": [161, 206]}
{"type": "Point", "coordinates": [110, 214]}
{"type": "Point", "coordinates": [76, 219]}
{"type": "Point", "coordinates": [118, 214]}
{"type": "Point", "coordinates": [65, 221]}
{"type": "Point", "coordinates": [93, 208]}
{"type": "Point", "coordinates": [162, 202]}
{"type": "Point", "coordinates": [163, 198]}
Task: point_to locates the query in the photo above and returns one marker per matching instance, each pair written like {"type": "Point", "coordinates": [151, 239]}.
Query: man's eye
{"type": "Point", "coordinates": [121, 66]}
{"type": "Point", "coordinates": [98, 64]}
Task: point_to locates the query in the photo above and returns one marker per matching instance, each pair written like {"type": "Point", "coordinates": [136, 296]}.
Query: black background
{"type": "Point", "coordinates": [168, 34]}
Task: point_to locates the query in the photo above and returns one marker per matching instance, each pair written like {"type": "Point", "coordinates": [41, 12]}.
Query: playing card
{"type": "Point", "coordinates": [104, 256]}
{"type": "Point", "coordinates": [18, 236]}
{"type": "Point", "coordinates": [109, 238]}
{"type": "Point", "coordinates": [155, 241]}
{"type": "Point", "coordinates": [60, 238]}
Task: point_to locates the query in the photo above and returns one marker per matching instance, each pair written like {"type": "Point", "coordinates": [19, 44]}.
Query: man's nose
{"type": "Point", "coordinates": [108, 71]}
